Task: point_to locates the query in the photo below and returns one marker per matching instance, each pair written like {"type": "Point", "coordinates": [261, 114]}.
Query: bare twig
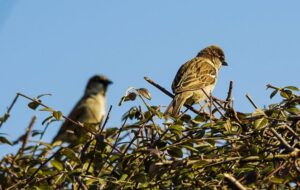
{"type": "Point", "coordinates": [220, 161]}
{"type": "Point", "coordinates": [286, 144]}
{"type": "Point", "coordinates": [97, 142]}
{"type": "Point", "coordinates": [171, 95]}
{"type": "Point", "coordinates": [10, 108]}
{"type": "Point", "coordinates": [42, 165]}
{"type": "Point", "coordinates": [235, 182]}
{"type": "Point", "coordinates": [213, 103]}
{"type": "Point", "coordinates": [63, 116]}
{"type": "Point", "coordinates": [229, 95]}
{"type": "Point", "coordinates": [251, 101]}
{"type": "Point", "coordinates": [27, 134]}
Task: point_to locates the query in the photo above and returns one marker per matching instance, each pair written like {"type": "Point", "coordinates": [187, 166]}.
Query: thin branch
{"type": "Point", "coordinates": [10, 108]}
{"type": "Point", "coordinates": [170, 94]}
{"type": "Point", "coordinates": [229, 95]}
{"type": "Point", "coordinates": [97, 142]}
{"type": "Point", "coordinates": [251, 101]}
{"type": "Point", "coordinates": [63, 116]}
{"type": "Point", "coordinates": [235, 182]}
{"type": "Point", "coordinates": [43, 164]}
{"type": "Point", "coordinates": [26, 138]}
{"type": "Point", "coordinates": [213, 103]}
{"type": "Point", "coordinates": [220, 161]}
{"type": "Point", "coordinates": [286, 144]}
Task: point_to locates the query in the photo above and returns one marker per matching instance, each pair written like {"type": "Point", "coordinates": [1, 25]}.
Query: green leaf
{"type": "Point", "coordinates": [47, 119]}
{"type": "Point", "coordinates": [111, 131]}
{"type": "Point", "coordinates": [70, 154]}
{"type": "Point", "coordinates": [36, 132]}
{"type": "Point", "coordinates": [41, 95]}
{"type": "Point", "coordinates": [47, 109]}
{"type": "Point", "coordinates": [277, 180]}
{"type": "Point", "coordinates": [293, 110]}
{"type": "Point", "coordinates": [123, 177]}
{"type": "Point", "coordinates": [58, 165]}
{"type": "Point", "coordinates": [34, 104]}
{"type": "Point", "coordinates": [4, 117]}
{"type": "Point", "coordinates": [286, 94]}
{"type": "Point", "coordinates": [200, 164]}
{"type": "Point", "coordinates": [57, 115]}
{"type": "Point", "coordinates": [144, 92]}
{"type": "Point", "coordinates": [259, 112]}
{"type": "Point", "coordinates": [190, 148]}
{"type": "Point", "coordinates": [175, 152]}
{"type": "Point", "coordinates": [294, 88]}
{"type": "Point", "coordinates": [260, 123]}
{"type": "Point", "coordinates": [273, 94]}
{"type": "Point", "coordinates": [176, 129]}
{"type": "Point", "coordinates": [200, 118]}
{"type": "Point", "coordinates": [140, 178]}
{"type": "Point", "coordinates": [4, 140]}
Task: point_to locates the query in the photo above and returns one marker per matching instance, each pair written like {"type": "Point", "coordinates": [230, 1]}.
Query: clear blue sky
{"type": "Point", "coordinates": [55, 46]}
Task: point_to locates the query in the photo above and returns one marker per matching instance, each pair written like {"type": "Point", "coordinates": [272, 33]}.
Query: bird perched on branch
{"type": "Point", "coordinates": [199, 73]}
{"type": "Point", "coordinates": [89, 111]}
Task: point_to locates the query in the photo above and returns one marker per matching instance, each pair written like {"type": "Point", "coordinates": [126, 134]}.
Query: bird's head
{"type": "Point", "coordinates": [97, 84]}
{"type": "Point", "coordinates": [214, 52]}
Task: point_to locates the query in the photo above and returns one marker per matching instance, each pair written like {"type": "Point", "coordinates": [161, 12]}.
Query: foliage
{"type": "Point", "coordinates": [223, 149]}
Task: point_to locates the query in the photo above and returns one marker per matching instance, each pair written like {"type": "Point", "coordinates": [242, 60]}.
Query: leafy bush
{"type": "Point", "coordinates": [223, 149]}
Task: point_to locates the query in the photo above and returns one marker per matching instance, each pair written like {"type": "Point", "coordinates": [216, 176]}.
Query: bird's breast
{"type": "Point", "coordinates": [97, 105]}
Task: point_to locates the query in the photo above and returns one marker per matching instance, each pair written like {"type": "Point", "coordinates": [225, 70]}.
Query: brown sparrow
{"type": "Point", "coordinates": [199, 73]}
{"type": "Point", "coordinates": [90, 110]}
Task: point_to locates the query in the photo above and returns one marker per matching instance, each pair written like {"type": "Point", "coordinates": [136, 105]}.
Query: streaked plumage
{"type": "Point", "coordinates": [199, 72]}
{"type": "Point", "coordinates": [90, 110]}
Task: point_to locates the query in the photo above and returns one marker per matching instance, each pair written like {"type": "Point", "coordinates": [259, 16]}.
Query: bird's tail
{"type": "Point", "coordinates": [176, 104]}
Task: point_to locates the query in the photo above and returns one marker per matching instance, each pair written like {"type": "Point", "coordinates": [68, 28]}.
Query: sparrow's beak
{"type": "Point", "coordinates": [109, 82]}
{"type": "Point", "coordinates": [224, 63]}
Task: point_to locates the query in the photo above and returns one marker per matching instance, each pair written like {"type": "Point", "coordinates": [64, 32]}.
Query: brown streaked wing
{"type": "Point", "coordinates": [198, 74]}
{"type": "Point", "coordinates": [181, 73]}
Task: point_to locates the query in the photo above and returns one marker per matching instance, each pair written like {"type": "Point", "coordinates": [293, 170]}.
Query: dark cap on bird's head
{"type": "Point", "coordinates": [98, 82]}
{"type": "Point", "coordinates": [213, 51]}
{"type": "Point", "coordinates": [100, 79]}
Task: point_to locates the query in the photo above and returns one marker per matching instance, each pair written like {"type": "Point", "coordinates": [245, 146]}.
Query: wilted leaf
{"type": "Point", "coordinates": [144, 92]}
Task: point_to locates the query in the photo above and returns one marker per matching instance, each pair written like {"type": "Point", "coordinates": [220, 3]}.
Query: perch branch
{"type": "Point", "coordinates": [234, 181]}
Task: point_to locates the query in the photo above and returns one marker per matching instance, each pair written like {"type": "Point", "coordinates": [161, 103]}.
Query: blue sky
{"type": "Point", "coordinates": [55, 46]}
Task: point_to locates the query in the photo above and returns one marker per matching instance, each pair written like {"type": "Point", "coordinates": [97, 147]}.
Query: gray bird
{"type": "Point", "coordinates": [89, 111]}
